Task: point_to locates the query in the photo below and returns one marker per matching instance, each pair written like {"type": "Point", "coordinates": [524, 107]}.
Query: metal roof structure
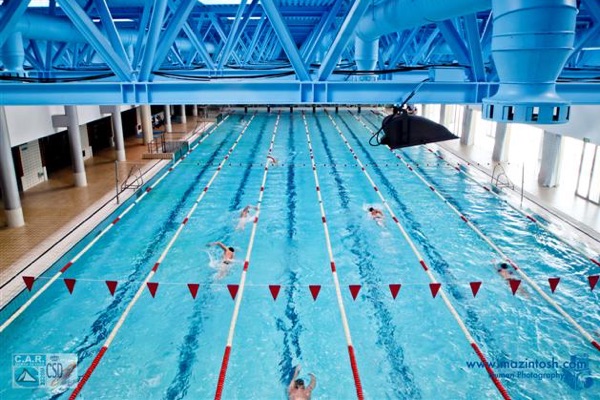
{"type": "Point", "coordinates": [286, 51]}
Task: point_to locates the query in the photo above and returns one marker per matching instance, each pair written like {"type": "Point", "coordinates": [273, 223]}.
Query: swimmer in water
{"type": "Point", "coordinates": [245, 216]}
{"type": "Point", "coordinates": [377, 215]}
{"type": "Point", "coordinates": [272, 159]}
{"type": "Point", "coordinates": [227, 260]}
{"type": "Point", "coordinates": [296, 389]}
{"type": "Point", "coordinates": [507, 274]}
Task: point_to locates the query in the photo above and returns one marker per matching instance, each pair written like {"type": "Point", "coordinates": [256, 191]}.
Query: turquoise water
{"type": "Point", "coordinates": [171, 346]}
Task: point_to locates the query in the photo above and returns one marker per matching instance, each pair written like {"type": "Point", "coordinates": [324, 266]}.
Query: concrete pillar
{"type": "Point", "coordinates": [195, 110]}
{"type": "Point", "coordinates": [467, 136]}
{"type": "Point", "coordinates": [550, 163]}
{"type": "Point", "coordinates": [443, 114]}
{"type": "Point", "coordinates": [75, 144]}
{"type": "Point", "coordinates": [147, 123]}
{"type": "Point", "coordinates": [424, 110]}
{"type": "Point", "coordinates": [168, 125]}
{"type": "Point", "coordinates": [8, 178]}
{"type": "Point", "coordinates": [502, 137]}
{"type": "Point", "coordinates": [183, 116]}
{"type": "Point", "coordinates": [118, 133]}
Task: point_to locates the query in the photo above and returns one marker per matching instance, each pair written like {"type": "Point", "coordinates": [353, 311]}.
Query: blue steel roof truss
{"type": "Point", "coordinates": [300, 50]}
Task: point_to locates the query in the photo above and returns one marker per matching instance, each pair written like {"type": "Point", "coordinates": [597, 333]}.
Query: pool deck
{"type": "Point", "coordinates": [58, 214]}
{"type": "Point", "coordinates": [55, 208]}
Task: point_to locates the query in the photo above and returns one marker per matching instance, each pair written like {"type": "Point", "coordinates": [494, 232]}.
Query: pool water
{"type": "Point", "coordinates": [172, 345]}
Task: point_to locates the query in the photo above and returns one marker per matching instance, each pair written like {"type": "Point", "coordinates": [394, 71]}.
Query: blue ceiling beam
{"type": "Point", "coordinates": [221, 32]}
{"type": "Point", "coordinates": [233, 36]}
{"type": "Point", "coordinates": [92, 34]}
{"type": "Point", "coordinates": [199, 46]}
{"type": "Point", "coordinates": [405, 44]}
{"type": "Point", "coordinates": [255, 37]}
{"type": "Point", "coordinates": [242, 31]}
{"type": "Point", "coordinates": [141, 37]}
{"type": "Point", "coordinates": [156, 23]}
{"type": "Point", "coordinates": [343, 37]}
{"type": "Point", "coordinates": [286, 40]}
{"type": "Point", "coordinates": [455, 41]}
{"type": "Point", "coordinates": [49, 60]}
{"type": "Point", "coordinates": [587, 36]}
{"type": "Point", "coordinates": [266, 92]}
{"type": "Point", "coordinates": [11, 14]}
{"type": "Point", "coordinates": [475, 50]}
{"type": "Point", "coordinates": [179, 17]}
{"type": "Point", "coordinates": [425, 46]}
{"type": "Point", "coordinates": [110, 29]}
{"type": "Point", "coordinates": [323, 28]}
{"type": "Point", "coordinates": [593, 8]}
{"type": "Point", "coordinates": [34, 56]}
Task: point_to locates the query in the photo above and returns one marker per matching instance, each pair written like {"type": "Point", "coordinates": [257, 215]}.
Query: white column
{"type": "Point", "coordinates": [168, 125]}
{"type": "Point", "coordinates": [424, 110]}
{"type": "Point", "coordinates": [467, 136]}
{"type": "Point", "coordinates": [147, 123]}
{"type": "Point", "coordinates": [8, 178]}
{"type": "Point", "coordinates": [502, 137]}
{"type": "Point", "coordinates": [118, 133]}
{"type": "Point", "coordinates": [550, 163]}
{"type": "Point", "coordinates": [443, 114]}
{"type": "Point", "coordinates": [195, 110]}
{"type": "Point", "coordinates": [75, 144]}
{"type": "Point", "coordinates": [183, 116]}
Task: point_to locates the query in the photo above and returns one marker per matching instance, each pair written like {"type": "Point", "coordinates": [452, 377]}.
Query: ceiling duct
{"type": "Point", "coordinates": [532, 40]}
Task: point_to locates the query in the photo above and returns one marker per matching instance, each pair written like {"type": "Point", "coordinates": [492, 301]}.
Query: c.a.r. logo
{"type": "Point", "coordinates": [26, 377]}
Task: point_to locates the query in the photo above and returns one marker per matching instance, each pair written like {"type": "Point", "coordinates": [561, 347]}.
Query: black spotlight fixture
{"type": "Point", "coordinates": [403, 128]}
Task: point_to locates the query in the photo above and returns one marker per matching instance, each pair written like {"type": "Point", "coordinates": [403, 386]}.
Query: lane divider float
{"type": "Point", "coordinates": [144, 284]}
{"type": "Point", "coordinates": [237, 291]}
{"type": "Point", "coordinates": [435, 286]}
{"type": "Point", "coordinates": [353, 363]}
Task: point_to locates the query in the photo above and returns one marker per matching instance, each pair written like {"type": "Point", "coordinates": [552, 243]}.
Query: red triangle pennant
{"type": "Point", "coordinates": [152, 287]}
{"type": "Point", "coordinates": [193, 289]}
{"type": "Point", "coordinates": [553, 283]}
{"type": "Point", "coordinates": [314, 290]}
{"type": "Point", "coordinates": [593, 279]}
{"type": "Point", "coordinates": [70, 284]}
{"type": "Point", "coordinates": [29, 282]}
{"type": "Point", "coordinates": [394, 289]}
{"type": "Point", "coordinates": [354, 289]}
{"type": "Point", "coordinates": [475, 287]}
{"type": "Point", "coordinates": [233, 289]}
{"type": "Point", "coordinates": [514, 285]}
{"type": "Point", "coordinates": [274, 290]}
{"type": "Point", "coordinates": [435, 288]}
{"type": "Point", "coordinates": [112, 286]}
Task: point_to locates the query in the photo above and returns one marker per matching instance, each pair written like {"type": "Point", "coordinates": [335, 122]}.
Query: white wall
{"type": "Point", "coordinates": [584, 122]}
{"type": "Point", "coordinates": [28, 123]}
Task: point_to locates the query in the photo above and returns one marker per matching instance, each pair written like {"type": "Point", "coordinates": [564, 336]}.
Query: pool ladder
{"type": "Point", "coordinates": [134, 179]}
{"type": "Point", "coordinates": [500, 178]}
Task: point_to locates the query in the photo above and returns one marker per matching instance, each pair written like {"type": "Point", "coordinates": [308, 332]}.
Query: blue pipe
{"type": "Point", "coordinates": [531, 43]}
{"type": "Point", "coordinates": [396, 15]}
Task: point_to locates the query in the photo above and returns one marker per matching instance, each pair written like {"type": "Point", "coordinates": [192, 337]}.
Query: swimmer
{"type": "Point", "coordinates": [272, 159]}
{"type": "Point", "coordinates": [227, 260]}
{"type": "Point", "coordinates": [377, 215]}
{"type": "Point", "coordinates": [507, 274]}
{"type": "Point", "coordinates": [245, 216]}
{"type": "Point", "coordinates": [296, 389]}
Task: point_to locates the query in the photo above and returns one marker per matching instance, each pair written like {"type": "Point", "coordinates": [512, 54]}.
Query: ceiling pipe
{"type": "Point", "coordinates": [396, 15]}
{"type": "Point", "coordinates": [36, 26]}
{"type": "Point", "coordinates": [531, 42]}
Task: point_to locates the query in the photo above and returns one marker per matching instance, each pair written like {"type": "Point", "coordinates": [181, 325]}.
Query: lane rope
{"type": "Point", "coordinates": [69, 264]}
{"type": "Point", "coordinates": [499, 251]}
{"type": "Point", "coordinates": [242, 284]}
{"type": "Point", "coordinates": [493, 376]}
{"type": "Point", "coordinates": [351, 353]}
{"type": "Point", "coordinates": [142, 287]}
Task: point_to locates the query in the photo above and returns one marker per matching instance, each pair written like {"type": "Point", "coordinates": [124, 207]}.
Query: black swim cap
{"type": "Point", "coordinates": [231, 249]}
{"type": "Point", "coordinates": [370, 208]}
{"type": "Point", "coordinates": [299, 382]}
{"type": "Point", "coordinates": [504, 265]}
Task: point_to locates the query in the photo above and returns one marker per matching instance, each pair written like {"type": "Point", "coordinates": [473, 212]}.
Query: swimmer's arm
{"type": "Point", "coordinates": [221, 245]}
{"type": "Point", "coordinates": [313, 382]}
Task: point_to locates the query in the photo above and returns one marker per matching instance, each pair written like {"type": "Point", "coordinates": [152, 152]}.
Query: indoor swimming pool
{"type": "Point", "coordinates": [148, 310]}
